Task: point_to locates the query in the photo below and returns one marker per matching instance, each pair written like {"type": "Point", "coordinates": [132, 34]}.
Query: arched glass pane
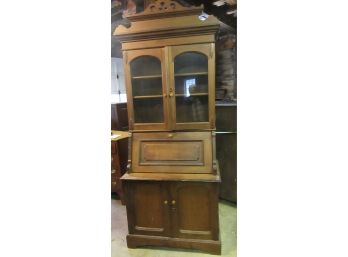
{"type": "Point", "coordinates": [191, 87]}
{"type": "Point", "coordinates": [146, 78]}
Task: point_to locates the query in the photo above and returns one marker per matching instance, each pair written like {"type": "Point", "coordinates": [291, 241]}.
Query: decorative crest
{"type": "Point", "coordinates": [160, 5]}
{"type": "Point", "coordinates": [166, 8]}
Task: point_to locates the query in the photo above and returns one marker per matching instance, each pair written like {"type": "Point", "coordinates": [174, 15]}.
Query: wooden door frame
{"type": "Point", "coordinates": [128, 57]}
{"type": "Point", "coordinates": [208, 49]}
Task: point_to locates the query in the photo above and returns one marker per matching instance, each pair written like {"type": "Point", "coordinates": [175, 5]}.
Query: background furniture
{"type": "Point", "coordinates": [119, 147]}
{"type": "Point", "coordinates": [171, 185]}
{"type": "Point", "coordinates": [119, 121]}
{"type": "Point", "coordinates": [226, 148]}
{"type": "Point", "coordinates": [119, 117]}
{"type": "Point", "coordinates": [117, 161]}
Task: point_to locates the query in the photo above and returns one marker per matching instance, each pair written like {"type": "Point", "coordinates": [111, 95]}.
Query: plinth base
{"type": "Point", "coordinates": [210, 246]}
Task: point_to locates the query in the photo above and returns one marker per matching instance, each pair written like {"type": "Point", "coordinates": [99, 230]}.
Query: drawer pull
{"type": "Point", "coordinates": [114, 183]}
{"type": "Point", "coordinates": [113, 171]}
{"type": "Point", "coordinates": [170, 135]}
{"type": "Point", "coordinates": [165, 202]}
{"type": "Point", "coordinates": [173, 202]}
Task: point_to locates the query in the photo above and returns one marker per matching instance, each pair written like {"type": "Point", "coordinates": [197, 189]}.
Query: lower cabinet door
{"type": "Point", "coordinates": [147, 208]}
{"type": "Point", "coordinates": [194, 210]}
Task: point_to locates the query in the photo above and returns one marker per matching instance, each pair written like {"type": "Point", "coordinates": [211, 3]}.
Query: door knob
{"type": "Point", "coordinates": [173, 207]}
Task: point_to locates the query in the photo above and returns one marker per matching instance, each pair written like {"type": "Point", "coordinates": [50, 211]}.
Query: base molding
{"type": "Point", "coordinates": [210, 246]}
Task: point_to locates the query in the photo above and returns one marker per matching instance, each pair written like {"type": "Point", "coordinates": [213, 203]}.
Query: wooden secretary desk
{"type": "Point", "coordinates": [171, 185]}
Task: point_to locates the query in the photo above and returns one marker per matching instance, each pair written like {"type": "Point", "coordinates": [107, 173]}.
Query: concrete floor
{"type": "Point", "coordinates": [119, 230]}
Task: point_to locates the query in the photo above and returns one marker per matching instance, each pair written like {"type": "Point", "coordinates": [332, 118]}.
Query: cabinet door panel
{"type": "Point", "coordinates": [146, 209]}
{"type": "Point", "coordinates": [194, 214]}
{"type": "Point", "coordinates": [146, 89]}
{"type": "Point", "coordinates": [192, 81]}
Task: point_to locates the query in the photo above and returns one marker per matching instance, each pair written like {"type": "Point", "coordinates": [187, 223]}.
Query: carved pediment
{"type": "Point", "coordinates": [164, 8]}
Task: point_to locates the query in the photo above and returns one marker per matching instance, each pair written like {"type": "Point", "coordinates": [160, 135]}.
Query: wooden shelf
{"type": "Point", "coordinates": [191, 74]}
{"type": "Point", "coordinates": [147, 96]}
{"type": "Point", "coordinates": [148, 77]}
{"type": "Point", "coordinates": [193, 94]}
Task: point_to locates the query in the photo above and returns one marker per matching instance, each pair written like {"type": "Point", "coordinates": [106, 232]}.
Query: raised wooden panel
{"type": "Point", "coordinates": [172, 152]}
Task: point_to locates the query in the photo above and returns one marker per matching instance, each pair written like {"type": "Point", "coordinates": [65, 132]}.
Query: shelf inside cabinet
{"type": "Point", "coordinates": [191, 74]}
{"type": "Point", "coordinates": [148, 77]}
{"type": "Point", "coordinates": [192, 94]}
{"type": "Point", "coordinates": [147, 96]}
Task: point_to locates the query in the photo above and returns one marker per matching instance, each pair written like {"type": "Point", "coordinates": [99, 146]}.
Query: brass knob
{"type": "Point", "coordinates": [173, 202]}
{"type": "Point", "coordinates": [165, 202]}
{"type": "Point", "coordinates": [170, 135]}
{"type": "Point", "coordinates": [171, 92]}
{"type": "Point", "coordinates": [113, 171]}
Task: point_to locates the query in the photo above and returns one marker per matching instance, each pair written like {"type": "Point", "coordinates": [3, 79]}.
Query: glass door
{"type": "Point", "coordinates": [193, 86]}
{"type": "Point", "coordinates": [146, 89]}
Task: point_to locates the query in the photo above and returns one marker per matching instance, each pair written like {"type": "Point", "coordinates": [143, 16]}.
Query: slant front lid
{"type": "Point", "coordinates": [166, 18]}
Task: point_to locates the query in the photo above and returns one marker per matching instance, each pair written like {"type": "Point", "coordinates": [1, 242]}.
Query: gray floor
{"type": "Point", "coordinates": [228, 226]}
